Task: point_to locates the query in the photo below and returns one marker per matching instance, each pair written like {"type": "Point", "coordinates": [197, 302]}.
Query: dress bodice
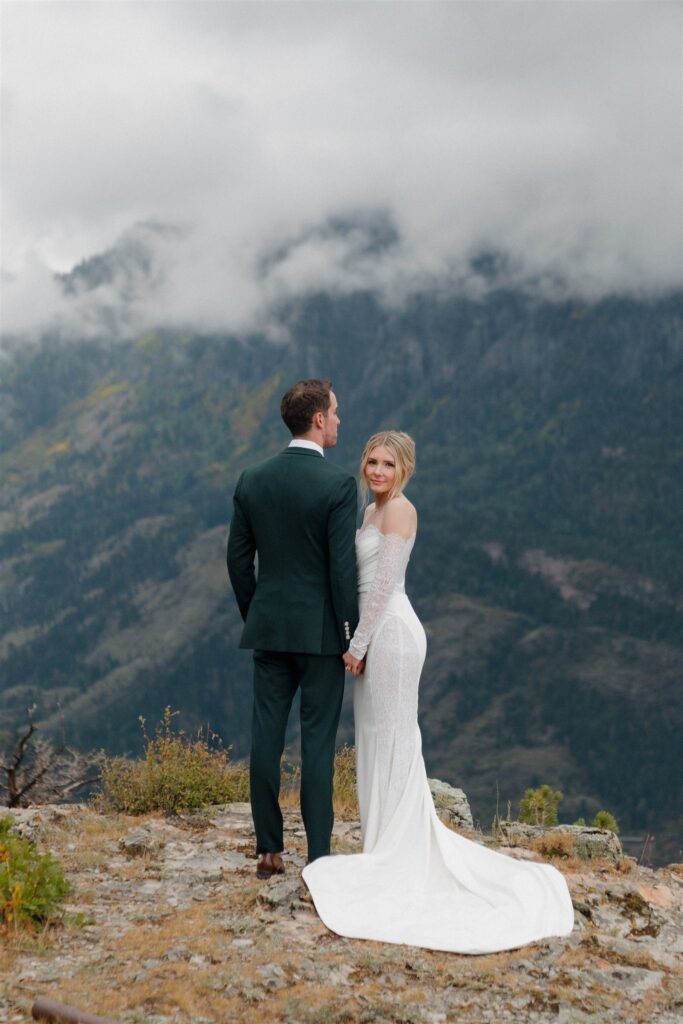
{"type": "Point", "coordinates": [369, 543]}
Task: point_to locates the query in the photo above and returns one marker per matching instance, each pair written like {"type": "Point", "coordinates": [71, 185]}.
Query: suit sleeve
{"type": "Point", "coordinates": [342, 551]}
{"type": "Point", "coordinates": [241, 554]}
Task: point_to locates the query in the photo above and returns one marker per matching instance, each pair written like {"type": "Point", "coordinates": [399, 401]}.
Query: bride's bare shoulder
{"type": "Point", "coordinates": [400, 516]}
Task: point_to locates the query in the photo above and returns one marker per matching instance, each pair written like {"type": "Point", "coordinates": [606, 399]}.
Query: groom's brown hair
{"type": "Point", "coordinates": [303, 400]}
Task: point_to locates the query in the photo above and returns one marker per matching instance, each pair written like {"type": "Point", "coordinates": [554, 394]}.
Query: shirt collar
{"type": "Point", "coordinates": [300, 442]}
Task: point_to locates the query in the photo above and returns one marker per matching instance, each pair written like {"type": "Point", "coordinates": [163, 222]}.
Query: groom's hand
{"type": "Point", "coordinates": [356, 666]}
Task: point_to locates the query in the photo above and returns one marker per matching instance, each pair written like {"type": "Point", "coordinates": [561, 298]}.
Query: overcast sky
{"type": "Point", "coordinates": [548, 130]}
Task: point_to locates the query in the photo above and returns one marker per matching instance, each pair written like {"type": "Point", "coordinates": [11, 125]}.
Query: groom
{"type": "Point", "coordinates": [297, 512]}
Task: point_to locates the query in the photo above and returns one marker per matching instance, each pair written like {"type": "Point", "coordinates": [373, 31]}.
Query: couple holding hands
{"type": "Point", "coordinates": [328, 602]}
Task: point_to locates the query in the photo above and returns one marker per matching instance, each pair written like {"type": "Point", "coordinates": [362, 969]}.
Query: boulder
{"type": "Point", "coordinates": [28, 822]}
{"type": "Point", "coordinates": [589, 843]}
{"type": "Point", "coordinates": [140, 842]}
{"type": "Point", "coordinates": [451, 804]}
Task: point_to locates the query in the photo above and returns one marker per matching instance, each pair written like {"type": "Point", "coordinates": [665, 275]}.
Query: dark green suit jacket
{"type": "Point", "coordinates": [297, 514]}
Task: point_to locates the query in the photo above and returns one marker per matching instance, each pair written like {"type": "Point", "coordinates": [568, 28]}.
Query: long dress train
{"type": "Point", "coordinates": [417, 882]}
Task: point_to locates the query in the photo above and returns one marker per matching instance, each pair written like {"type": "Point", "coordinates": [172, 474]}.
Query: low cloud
{"type": "Point", "coordinates": [231, 156]}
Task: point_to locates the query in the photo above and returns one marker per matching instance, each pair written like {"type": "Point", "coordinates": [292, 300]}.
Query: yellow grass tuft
{"type": "Point", "coordinates": [556, 845]}
{"type": "Point", "coordinates": [344, 796]}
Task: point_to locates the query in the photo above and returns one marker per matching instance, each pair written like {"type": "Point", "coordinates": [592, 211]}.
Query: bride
{"type": "Point", "coordinates": [416, 882]}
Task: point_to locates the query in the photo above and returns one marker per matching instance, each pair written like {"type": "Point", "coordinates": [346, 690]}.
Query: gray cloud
{"type": "Point", "coordinates": [548, 130]}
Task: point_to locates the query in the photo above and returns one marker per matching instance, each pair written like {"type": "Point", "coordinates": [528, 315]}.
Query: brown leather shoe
{"type": "Point", "coordinates": [269, 864]}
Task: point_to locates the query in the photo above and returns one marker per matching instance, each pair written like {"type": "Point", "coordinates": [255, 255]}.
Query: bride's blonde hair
{"type": "Point", "coordinates": [402, 447]}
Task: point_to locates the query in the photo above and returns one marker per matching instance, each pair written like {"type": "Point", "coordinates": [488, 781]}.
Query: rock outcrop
{"type": "Point", "coordinates": [451, 804]}
{"type": "Point", "coordinates": [167, 923]}
{"type": "Point", "coordinates": [586, 842]}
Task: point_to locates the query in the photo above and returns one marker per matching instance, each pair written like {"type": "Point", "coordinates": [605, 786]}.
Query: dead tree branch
{"type": "Point", "coordinates": [36, 772]}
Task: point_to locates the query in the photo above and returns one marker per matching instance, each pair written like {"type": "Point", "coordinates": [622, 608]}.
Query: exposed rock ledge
{"type": "Point", "coordinates": [173, 926]}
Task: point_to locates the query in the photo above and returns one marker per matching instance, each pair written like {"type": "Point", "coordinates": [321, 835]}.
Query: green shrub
{"type": "Point", "coordinates": [581, 822]}
{"type": "Point", "coordinates": [603, 819]}
{"type": "Point", "coordinates": [177, 773]}
{"type": "Point", "coordinates": [31, 884]}
{"type": "Point", "coordinates": [539, 806]}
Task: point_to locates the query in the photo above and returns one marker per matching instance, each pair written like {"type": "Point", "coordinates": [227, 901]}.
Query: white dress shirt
{"type": "Point", "coordinates": [300, 442]}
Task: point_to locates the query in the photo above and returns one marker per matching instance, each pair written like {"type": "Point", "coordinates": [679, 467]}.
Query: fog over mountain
{"type": "Point", "coordinates": [262, 152]}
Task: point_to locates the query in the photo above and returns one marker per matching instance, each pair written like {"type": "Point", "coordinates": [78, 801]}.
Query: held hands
{"type": "Point", "coordinates": [356, 666]}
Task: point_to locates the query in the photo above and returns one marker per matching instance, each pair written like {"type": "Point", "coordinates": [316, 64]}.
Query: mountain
{"type": "Point", "coordinates": [547, 570]}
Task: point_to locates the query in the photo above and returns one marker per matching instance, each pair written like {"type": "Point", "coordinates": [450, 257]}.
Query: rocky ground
{"type": "Point", "coordinates": [167, 923]}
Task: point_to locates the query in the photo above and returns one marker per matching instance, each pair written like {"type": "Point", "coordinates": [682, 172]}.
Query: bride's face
{"type": "Point", "coordinates": [380, 471]}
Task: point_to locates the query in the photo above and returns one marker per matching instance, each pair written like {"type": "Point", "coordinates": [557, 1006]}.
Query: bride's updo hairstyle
{"type": "Point", "coordinates": [402, 447]}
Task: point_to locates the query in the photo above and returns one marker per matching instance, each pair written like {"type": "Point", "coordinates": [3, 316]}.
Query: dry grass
{"type": "Point", "coordinates": [557, 846]}
{"type": "Point", "coordinates": [14, 943]}
{"type": "Point", "coordinates": [344, 796]}
{"type": "Point", "coordinates": [151, 939]}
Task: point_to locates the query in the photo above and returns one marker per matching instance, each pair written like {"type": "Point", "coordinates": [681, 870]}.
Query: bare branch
{"type": "Point", "coordinates": [20, 750]}
{"type": "Point", "coordinates": [37, 773]}
{"type": "Point", "coordinates": [72, 787]}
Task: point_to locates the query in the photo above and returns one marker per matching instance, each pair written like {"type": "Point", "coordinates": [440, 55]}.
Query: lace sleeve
{"type": "Point", "coordinates": [390, 566]}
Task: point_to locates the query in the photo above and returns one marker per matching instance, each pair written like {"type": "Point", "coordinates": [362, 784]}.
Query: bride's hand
{"type": "Point", "coordinates": [353, 665]}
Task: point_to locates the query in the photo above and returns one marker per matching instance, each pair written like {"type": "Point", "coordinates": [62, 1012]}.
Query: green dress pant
{"type": "Point", "coordinates": [277, 676]}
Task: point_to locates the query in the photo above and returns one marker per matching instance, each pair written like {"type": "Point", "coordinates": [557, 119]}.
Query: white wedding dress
{"type": "Point", "coordinates": [417, 882]}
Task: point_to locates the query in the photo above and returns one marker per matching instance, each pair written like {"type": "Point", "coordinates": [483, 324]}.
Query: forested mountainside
{"type": "Point", "coordinates": [548, 569]}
